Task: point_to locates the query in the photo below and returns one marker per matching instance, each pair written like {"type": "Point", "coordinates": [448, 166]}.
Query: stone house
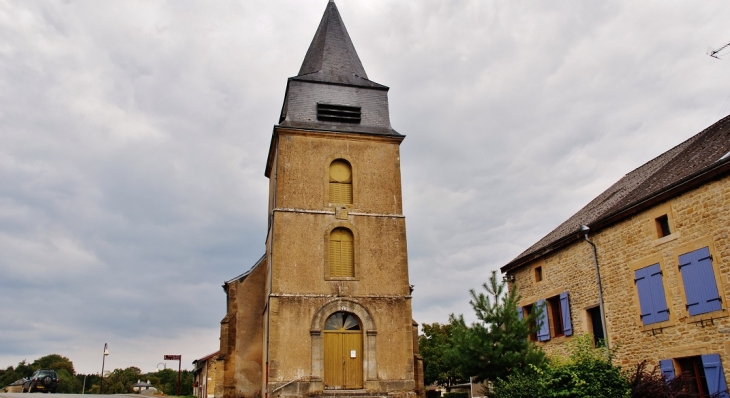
{"type": "Point", "coordinates": [327, 308]}
{"type": "Point", "coordinates": [205, 375]}
{"type": "Point", "coordinates": [645, 265]}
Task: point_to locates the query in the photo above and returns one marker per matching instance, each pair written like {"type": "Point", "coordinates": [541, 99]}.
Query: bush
{"type": "Point", "coordinates": [586, 373]}
{"type": "Point", "coordinates": [651, 384]}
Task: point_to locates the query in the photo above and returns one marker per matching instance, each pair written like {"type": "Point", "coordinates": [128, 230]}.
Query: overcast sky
{"type": "Point", "coordinates": [134, 135]}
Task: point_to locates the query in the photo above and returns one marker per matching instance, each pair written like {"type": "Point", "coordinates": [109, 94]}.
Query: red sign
{"type": "Point", "coordinates": [173, 357]}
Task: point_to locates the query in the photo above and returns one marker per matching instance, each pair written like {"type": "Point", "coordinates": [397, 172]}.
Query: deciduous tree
{"type": "Point", "coordinates": [438, 366]}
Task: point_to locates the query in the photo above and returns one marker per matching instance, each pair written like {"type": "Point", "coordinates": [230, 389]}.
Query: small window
{"type": "Point", "coordinates": [340, 182]}
{"type": "Point", "coordinates": [662, 226]}
{"type": "Point", "coordinates": [341, 254]}
{"type": "Point", "coordinates": [538, 274]}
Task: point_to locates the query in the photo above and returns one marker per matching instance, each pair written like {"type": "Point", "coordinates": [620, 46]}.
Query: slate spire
{"type": "Point", "coordinates": [332, 92]}
{"type": "Point", "coordinates": [332, 57]}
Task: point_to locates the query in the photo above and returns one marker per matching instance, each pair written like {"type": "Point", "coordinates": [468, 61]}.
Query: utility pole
{"type": "Point", "coordinates": [103, 359]}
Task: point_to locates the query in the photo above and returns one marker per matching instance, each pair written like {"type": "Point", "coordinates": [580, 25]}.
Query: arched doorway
{"type": "Point", "coordinates": [343, 354]}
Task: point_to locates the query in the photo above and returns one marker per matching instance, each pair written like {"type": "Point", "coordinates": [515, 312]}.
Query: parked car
{"type": "Point", "coordinates": [42, 380]}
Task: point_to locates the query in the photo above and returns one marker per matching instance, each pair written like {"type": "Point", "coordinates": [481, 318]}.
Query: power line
{"type": "Point", "coordinates": [713, 53]}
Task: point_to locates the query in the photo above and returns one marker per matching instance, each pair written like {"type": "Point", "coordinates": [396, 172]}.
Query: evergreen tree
{"type": "Point", "coordinates": [498, 343]}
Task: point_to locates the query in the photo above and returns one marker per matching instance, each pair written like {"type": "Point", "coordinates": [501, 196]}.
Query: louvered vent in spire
{"type": "Point", "coordinates": [338, 113]}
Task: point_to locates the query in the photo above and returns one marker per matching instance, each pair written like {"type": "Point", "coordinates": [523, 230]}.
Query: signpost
{"type": "Point", "coordinates": [177, 358]}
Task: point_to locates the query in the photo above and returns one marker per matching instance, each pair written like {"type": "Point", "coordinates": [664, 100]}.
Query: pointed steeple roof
{"type": "Point", "coordinates": [331, 57]}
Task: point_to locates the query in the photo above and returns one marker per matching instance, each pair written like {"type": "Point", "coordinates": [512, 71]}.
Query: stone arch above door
{"type": "Point", "coordinates": [368, 325]}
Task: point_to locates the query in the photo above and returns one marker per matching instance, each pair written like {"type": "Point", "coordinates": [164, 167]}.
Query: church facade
{"type": "Point", "coordinates": [327, 308]}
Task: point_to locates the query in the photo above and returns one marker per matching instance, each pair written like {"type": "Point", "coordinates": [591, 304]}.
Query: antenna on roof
{"type": "Point", "coordinates": [713, 53]}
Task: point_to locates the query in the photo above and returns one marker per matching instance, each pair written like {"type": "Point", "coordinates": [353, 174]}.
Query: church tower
{"type": "Point", "coordinates": [330, 300]}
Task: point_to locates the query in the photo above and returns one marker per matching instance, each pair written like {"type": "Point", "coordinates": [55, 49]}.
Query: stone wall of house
{"type": "Point", "coordinates": [211, 376]}
{"type": "Point", "coordinates": [699, 218]}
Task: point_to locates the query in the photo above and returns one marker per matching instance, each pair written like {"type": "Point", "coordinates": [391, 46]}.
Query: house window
{"type": "Point", "coordinates": [652, 301]}
{"type": "Point", "coordinates": [692, 368]}
{"type": "Point", "coordinates": [527, 310]}
{"type": "Point", "coordinates": [341, 254]}
{"type": "Point", "coordinates": [698, 276]}
{"type": "Point", "coordinates": [538, 274]}
{"type": "Point", "coordinates": [705, 372]}
{"type": "Point", "coordinates": [662, 226]}
{"type": "Point", "coordinates": [340, 182]}
{"type": "Point", "coordinates": [596, 325]}
{"type": "Point", "coordinates": [555, 317]}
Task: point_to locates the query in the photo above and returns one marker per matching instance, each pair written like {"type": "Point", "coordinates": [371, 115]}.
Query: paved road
{"type": "Point", "coordinates": [39, 395]}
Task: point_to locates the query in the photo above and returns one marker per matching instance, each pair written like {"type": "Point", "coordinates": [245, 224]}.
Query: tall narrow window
{"type": "Point", "coordinates": [340, 185]}
{"type": "Point", "coordinates": [556, 316]}
{"type": "Point", "coordinates": [596, 325]}
{"type": "Point", "coordinates": [341, 254]}
{"type": "Point", "coordinates": [526, 311]}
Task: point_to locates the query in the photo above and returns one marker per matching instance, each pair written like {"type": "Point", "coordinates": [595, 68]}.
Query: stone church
{"type": "Point", "coordinates": [327, 308]}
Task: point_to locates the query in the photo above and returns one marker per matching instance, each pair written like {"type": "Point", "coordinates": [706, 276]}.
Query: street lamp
{"type": "Point", "coordinates": [164, 366]}
{"type": "Point", "coordinates": [103, 358]}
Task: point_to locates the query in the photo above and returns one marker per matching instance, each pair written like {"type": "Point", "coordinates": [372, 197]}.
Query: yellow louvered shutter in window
{"type": "Point", "coordinates": [340, 182]}
{"type": "Point", "coordinates": [341, 254]}
{"type": "Point", "coordinates": [340, 193]}
{"type": "Point", "coordinates": [335, 258]}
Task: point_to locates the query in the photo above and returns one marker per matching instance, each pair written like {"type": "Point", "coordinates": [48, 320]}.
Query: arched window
{"type": "Point", "coordinates": [341, 253]}
{"type": "Point", "coordinates": [340, 187]}
{"type": "Point", "coordinates": [341, 321]}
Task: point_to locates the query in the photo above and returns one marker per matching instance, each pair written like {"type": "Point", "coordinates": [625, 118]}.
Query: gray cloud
{"type": "Point", "coordinates": [134, 137]}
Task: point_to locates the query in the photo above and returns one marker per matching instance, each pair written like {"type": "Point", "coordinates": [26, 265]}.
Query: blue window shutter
{"type": "Point", "coordinates": [646, 304]}
{"type": "Point", "coordinates": [667, 369]}
{"type": "Point", "coordinates": [659, 300]}
{"type": "Point", "coordinates": [565, 308]}
{"type": "Point", "coordinates": [652, 301]}
{"type": "Point", "coordinates": [543, 332]}
{"type": "Point", "coordinates": [520, 315]}
{"type": "Point", "coordinates": [715, 376]}
{"type": "Point", "coordinates": [699, 282]}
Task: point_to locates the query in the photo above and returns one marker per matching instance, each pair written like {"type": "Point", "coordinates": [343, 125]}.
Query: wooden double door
{"type": "Point", "coordinates": [343, 352]}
